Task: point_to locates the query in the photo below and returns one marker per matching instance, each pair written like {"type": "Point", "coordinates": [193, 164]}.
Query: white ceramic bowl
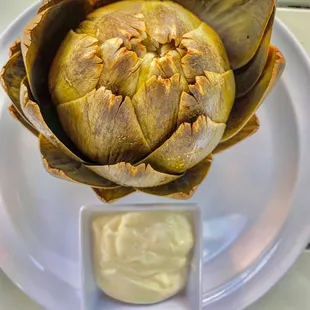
{"type": "Point", "coordinates": [92, 296]}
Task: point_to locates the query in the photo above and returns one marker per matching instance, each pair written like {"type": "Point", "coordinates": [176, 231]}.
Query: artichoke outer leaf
{"type": "Point", "coordinates": [247, 76]}
{"type": "Point", "coordinates": [42, 38]}
{"type": "Point", "coordinates": [248, 130]}
{"type": "Point", "coordinates": [240, 24]}
{"type": "Point", "coordinates": [33, 113]}
{"type": "Point", "coordinates": [12, 76]}
{"type": "Point", "coordinates": [190, 144]}
{"type": "Point", "coordinates": [110, 195]}
{"type": "Point", "coordinates": [245, 107]}
{"type": "Point", "coordinates": [204, 52]}
{"type": "Point", "coordinates": [15, 114]}
{"type": "Point", "coordinates": [128, 175]}
{"type": "Point", "coordinates": [184, 187]}
{"type": "Point", "coordinates": [64, 167]}
{"type": "Point", "coordinates": [15, 48]}
{"type": "Point", "coordinates": [156, 105]}
{"type": "Point", "coordinates": [160, 14]}
{"type": "Point", "coordinates": [216, 93]}
{"type": "Point", "coordinates": [76, 69]}
{"type": "Point", "coordinates": [104, 127]}
{"type": "Point", "coordinates": [47, 4]}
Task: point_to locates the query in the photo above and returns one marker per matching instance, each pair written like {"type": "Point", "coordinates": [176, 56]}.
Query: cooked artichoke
{"type": "Point", "coordinates": [137, 95]}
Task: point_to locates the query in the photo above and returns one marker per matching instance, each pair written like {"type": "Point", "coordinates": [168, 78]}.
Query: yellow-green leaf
{"type": "Point", "coordinates": [128, 175]}
{"type": "Point", "coordinates": [245, 107]}
{"type": "Point", "coordinates": [184, 187]}
{"type": "Point", "coordinates": [62, 166]}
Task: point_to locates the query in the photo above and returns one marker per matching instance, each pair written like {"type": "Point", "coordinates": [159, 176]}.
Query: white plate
{"type": "Point", "coordinates": [256, 201]}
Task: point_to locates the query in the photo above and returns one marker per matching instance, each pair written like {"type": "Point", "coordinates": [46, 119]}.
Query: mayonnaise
{"type": "Point", "coordinates": [142, 257]}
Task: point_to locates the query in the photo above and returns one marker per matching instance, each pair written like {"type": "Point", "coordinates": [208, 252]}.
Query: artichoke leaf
{"type": "Point", "coordinates": [245, 107]}
{"type": "Point", "coordinates": [64, 167]}
{"type": "Point", "coordinates": [15, 48]}
{"type": "Point", "coordinates": [190, 109]}
{"type": "Point", "coordinates": [121, 68]}
{"type": "Point", "coordinates": [110, 195]}
{"type": "Point", "coordinates": [94, 3]}
{"type": "Point", "coordinates": [216, 93]}
{"type": "Point", "coordinates": [47, 4]}
{"type": "Point", "coordinates": [15, 114]}
{"type": "Point", "coordinates": [190, 144]}
{"type": "Point", "coordinates": [204, 52]}
{"type": "Point", "coordinates": [42, 38]}
{"type": "Point", "coordinates": [76, 68]}
{"type": "Point", "coordinates": [156, 105]}
{"type": "Point", "coordinates": [104, 127]}
{"type": "Point", "coordinates": [248, 130]}
{"type": "Point", "coordinates": [12, 76]}
{"type": "Point", "coordinates": [165, 66]}
{"type": "Point", "coordinates": [122, 19]}
{"type": "Point", "coordinates": [247, 76]}
{"type": "Point", "coordinates": [160, 14]}
{"type": "Point", "coordinates": [128, 175]}
{"type": "Point", "coordinates": [184, 187]}
{"type": "Point", "coordinates": [240, 24]}
{"type": "Point", "coordinates": [168, 64]}
{"type": "Point", "coordinates": [33, 113]}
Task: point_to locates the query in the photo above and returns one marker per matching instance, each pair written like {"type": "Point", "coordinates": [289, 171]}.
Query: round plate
{"type": "Point", "coordinates": [255, 201]}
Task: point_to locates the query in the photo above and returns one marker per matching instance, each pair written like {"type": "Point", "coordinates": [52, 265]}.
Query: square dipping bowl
{"type": "Point", "coordinates": [93, 298]}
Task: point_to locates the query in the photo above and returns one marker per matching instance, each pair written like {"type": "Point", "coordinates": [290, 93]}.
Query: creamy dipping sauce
{"type": "Point", "coordinates": [142, 257]}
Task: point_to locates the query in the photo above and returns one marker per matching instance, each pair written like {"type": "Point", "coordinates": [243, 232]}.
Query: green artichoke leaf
{"type": "Point", "coordinates": [128, 175]}
{"type": "Point", "coordinates": [11, 76]}
{"type": "Point", "coordinates": [110, 195]}
{"type": "Point", "coordinates": [76, 69]}
{"type": "Point", "coordinates": [245, 107]}
{"type": "Point", "coordinates": [94, 3]}
{"type": "Point", "coordinates": [216, 93]}
{"type": "Point", "coordinates": [184, 187]}
{"type": "Point", "coordinates": [190, 144]}
{"type": "Point", "coordinates": [15, 114]}
{"type": "Point", "coordinates": [204, 52]}
{"type": "Point", "coordinates": [121, 68]}
{"type": "Point", "coordinates": [104, 127]}
{"type": "Point", "coordinates": [122, 19]}
{"type": "Point", "coordinates": [47, 4]}
{"type": "Point", "coordinates": [178, 21]}
{"type": "Point", "coordinates": [33, 113]}
{"type": "Point", "coordinates": [64, 167]}
{"type": "Point", "coordinates": [15, 48]}
{"type": "Point", "coordinates": [247, 76]}
{"type": "Point", "coordinates": [42, 38]}
{"type": "Point", "coordinates": [156, 105]}
{"type": "Point", "coordinates": [190, 109]}
{"type": "Point", "coordinates": [248, 130]}
{"type": "Point", "coordinates": [166, 65]}
{"type": "Point", "coordinates": [240, 24]}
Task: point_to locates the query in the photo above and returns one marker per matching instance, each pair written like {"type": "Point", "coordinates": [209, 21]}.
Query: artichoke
{"type": "Point", "coordinates": [137, 95]}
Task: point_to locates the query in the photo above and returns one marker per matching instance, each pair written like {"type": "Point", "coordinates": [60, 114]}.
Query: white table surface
{"type": "Point", "coordinates": [293, 291]}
